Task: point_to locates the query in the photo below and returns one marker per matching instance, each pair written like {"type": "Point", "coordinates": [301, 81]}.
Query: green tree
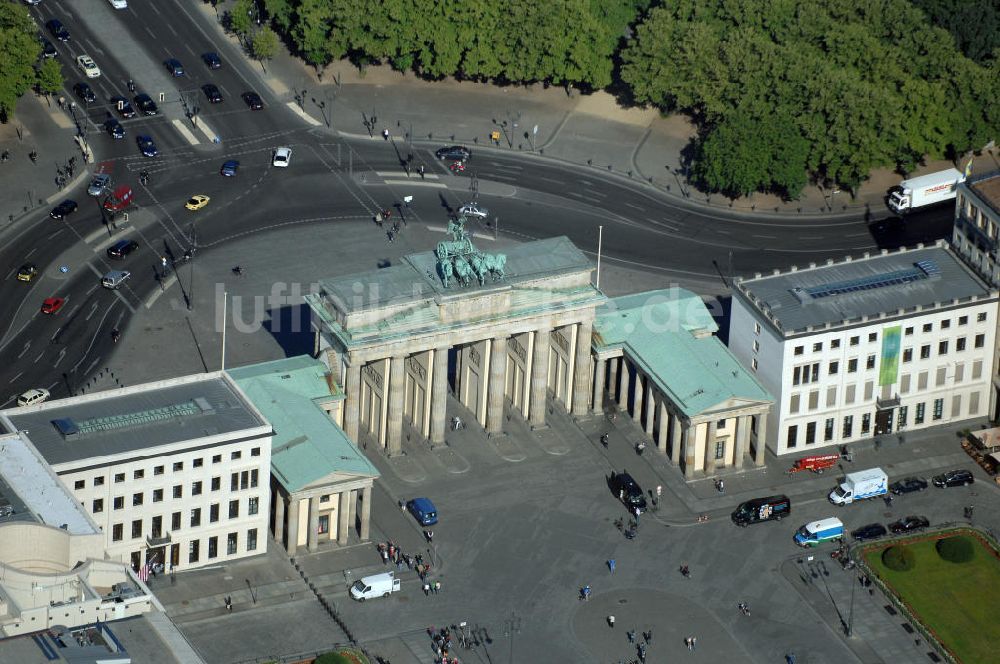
{"type": "Point", "coordinates": [264, 44]}
{"type": "Point", "coordinates": [19, 49]}
{"type": "Point", "coordinates": [50, 79]}
{"type": "Point", "coordinates": [241, 18]}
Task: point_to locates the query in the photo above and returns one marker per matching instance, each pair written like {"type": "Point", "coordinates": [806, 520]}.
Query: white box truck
{"type": "Point", "coordinates": [377, 585]}
{"type": "Point", "coordinates": [925, 190]}
{"type": "Point", "coordinates": [861, 485]}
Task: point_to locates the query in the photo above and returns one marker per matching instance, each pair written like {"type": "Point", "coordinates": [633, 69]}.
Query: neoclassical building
{"type": "Point", "coordinates": [397, 337]}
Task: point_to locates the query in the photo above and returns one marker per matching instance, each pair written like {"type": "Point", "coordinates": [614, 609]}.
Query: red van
{"type": "Point", "coordinates": [120, 199]}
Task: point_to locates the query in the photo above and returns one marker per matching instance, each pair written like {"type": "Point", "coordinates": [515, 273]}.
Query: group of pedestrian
{"type": "Point", "coordinates": [431, 587]}
{"type": "Point", "coordinates": [691, 642]}
{"type": "Point", "coordinates": [744, 608]}
{"type": "Point", "coordinates": [442, 644]}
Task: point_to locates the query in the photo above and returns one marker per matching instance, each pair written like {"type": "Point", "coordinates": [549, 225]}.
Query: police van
{"type": "Point", "coordinates": [817, 532]}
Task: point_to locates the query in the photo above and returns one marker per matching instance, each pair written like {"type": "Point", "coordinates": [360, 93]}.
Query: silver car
{"type": "Point", "coordinates": [99, 184]}
{"type": "Point", "coordinates": [474, 210]}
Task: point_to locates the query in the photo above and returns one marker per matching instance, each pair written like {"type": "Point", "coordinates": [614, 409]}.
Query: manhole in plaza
{"type": "Point", "coordinates": [184, 602]}
{"type": "Point", "coordinates": [933, 656]}
{"type": "Point", "coordinates": [908, 628]}
{"type": "Point", "coordinates": [623, 601]}
{"type": "Point", "coordinates": [888, 609]}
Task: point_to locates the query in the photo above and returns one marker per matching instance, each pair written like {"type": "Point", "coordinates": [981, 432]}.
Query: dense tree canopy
{"type": "Point", "coordinates": [975, 26]}
{"type": "Point", "coordinates": [864, 84]}
{"type": "Point", "coordinates": [19, 50]}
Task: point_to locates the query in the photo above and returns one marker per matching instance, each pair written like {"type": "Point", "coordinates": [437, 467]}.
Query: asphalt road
{"type": "Point", "coordinates": [329, 179]}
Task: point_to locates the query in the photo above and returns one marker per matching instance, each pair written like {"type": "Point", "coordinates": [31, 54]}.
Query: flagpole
{"type": "Point", "coordinates": [225, 303]}
{"type": "Point", "coordinates": [600, 236]}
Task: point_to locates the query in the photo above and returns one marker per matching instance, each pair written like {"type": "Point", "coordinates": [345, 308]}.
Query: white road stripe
{"type": "Point", "coordinates": [302, 114]}
{"type": "Point", "coordinates": [205, 129]}
{"type": "Point", "coordinates": [415, 176]}
{"type": "Point", "coordinates": [416, 183]}
{"type": "Point", "coordinates": [185, 132]}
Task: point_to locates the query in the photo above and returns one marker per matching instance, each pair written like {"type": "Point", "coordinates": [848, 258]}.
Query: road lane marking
{"type": "Point", "coordinates": [40, 356]}
{"type": "Point", "coordinates": [27, 345]}
{"type": "Point", "coordinates": [185, 132]}
{"type": "Point", "coordinates": [394, 174]}
{"type": "Point", "coordinates": [16, 376]}
{"type": "Point", "coordinates": [767, 237]}
{"type": "Point", "coordinates": [155, 295]}
{"type": "Point", "coordinates": [93, 310]}
{"type": "Point", "coordinates": [416, 183]}
{"type": "Point", "coordinates": [209, 134]}
{"type": "Point", "coordinates": [302, 114]}
{"type": "Point", "coordinates": [62, 354]}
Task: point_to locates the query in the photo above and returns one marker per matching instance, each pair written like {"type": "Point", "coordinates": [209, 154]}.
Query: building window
{"type": "Point", "coordinates": [213, 547]}
{"type": "Point", "coordinates": [872, 337]}
{"type": "Point", "coordinates": [942, 348]}
{"type": "Point", "coordinates": [901, 417]}
{"type": "Point", "coordinates": [175, 521]}
{"type": "Point", "coordinates": [137, 529]}
{"type": "Point", "coordinates": [178, 490]}
{"type": "Point", "coordinates": [870, 362]}
{"type": "Point", "coordinates": [852, 365]}
{"type": "Point", "coordinates": [213, 513]}
{"type": "Point", "coordinates": [254, 478]}
{"type": "Point", "coordinates": [980, 340]}
{"type": "Point", "coordinates": [753, 364]}
{"type": "Point", "coordinates": [254, 503]}
{"type": "Point", "coordinates": [157, 495]}
{"type": "Point", "coordinates": [907, 354]}
{"type": "Point", "coordinates": [193, 547]}
{"type": "Point", "coordinates": [234, 509]}
{"type": "Point", "coordinates": [117, 532]}
{"type": "Point", "coordinates": [325, 498]}
{"type": "Point", "coordinates": [235, 455]}
{"type": "Point", "coordinates": [119, 502]}
{"type": "Point", "coordinates": [195, 517]}
{"type": "Point", "coordinates": [234, 482]}
{"type": "Point", "coordinates": [138, 474]}
{"type": "Point", "coordinates": [756, 328]}
{"type": "Point", "coordinates": [828, 430]}
{"type": "Point", "coordinates": [756, 346]}
{"type": "Point", "coordinates": [255, 452]}
{"type": "Point", "coordinates": [217, 458]}
{"type": "Point", "coordinates": [793, 404]}
{"type": "Point", "coordinates": [866, 423]}
{"type": "Point", "coordinates": [928, 327]}
{"type": "Point", "coordinates": [158, 470]}
{"type": "Point", "coordinates": [981, 317]}
{"type": "Point", "coordinates": [156, 527]}
{"type": "Point", "coordinates": [119, 478]}
{"type": "Point", "coordinates": [817, 348]}
{"type": "Point", "coordinates": [909, 331]}
{"type": "Point", "coordinates": [252, 539]}
{"type": "Point", "coordinates": [80, 484]}
{"type": "Point", "coordinates": [925, 351]}
{"type": "Point", "coordinates": [848, 426]}
{"type": "Point", "coordinates": [198, 463]}
{"type": "Point", "coordinates": [244, 479]}
{"type": "Point", "coordinates": [938, 409]}
{"type": "Point", "coordinates": [960, 344]}
{"type": "Point", "coordinates": [919, 418]}
{"type": "Point", "coordinates": [855, 341]}
{"type": "Point", "coordinates": [720, 449]}
{"type": "Point", "coordinates": [196, 488]}
{"type": "Point", "coordinates": [963, 320]}
{"type": "Point", "coordinates": [136, 499]}
{"type": "Point", "coordinates": [946, 324]}
{"type": "Point", "coordinates": [793, 436]}
{"type": "Point", "coordinates": [98, 505]}
{"type": "Point", "coordinates": [835, 343]}
{"type": "Point", "coordinates": [231, 544]}
{"type": "Point", "coordinates": [99, 480]}
{"type": "Point", "coordinates": [799, 350]}
{"type": "Point", "coordinates": [216, 483]}
{"type": "Point", "coordinates": [833, 368]}
{"type": "Point", "coordinates": [810, 433]}
{"type": "Point", "coordinates": [178, 466]}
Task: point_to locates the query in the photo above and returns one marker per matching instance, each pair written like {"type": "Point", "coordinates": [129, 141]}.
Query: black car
{"type": "Point", "coordinates": [628, 491]}
{"type": "Point", "coordinates": [212, 93]}
{"type": "Point", "coordinates": [174, 66]}
{"type": "Point", "coordinates": [122, 248]}
{"type": "Point", "coordinates": [908, 485]}
{"type": "Point", "coordinates": [145, 104]}
{"type": "Point", "coordinates": [85, 92]}
{"type": "Point", "coordinates": [909, 523]}
{"type": "Point", "coordinates": [871, 531]}
{"type": "Point", "coordinates": [48, 50]}
{"type": "Point", "coordinates": [954, 478]}
{"type": "Point", "coordinates": [58, 30]}
{"type": "Point", "coordinates": [211, 60]}
{"type": "Point", "coordinates": [65, 208]}
{"type": "Point", "coordinates": [123, 106]}
{"type": "Point", "coordinates": [253, 100]}
{"type": "Point", "coordinates": [114, 128]}
{"type": "Point", "coordinates": [454, 153]}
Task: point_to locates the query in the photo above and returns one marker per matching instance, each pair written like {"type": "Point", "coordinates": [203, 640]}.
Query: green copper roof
{"type": "Point", "coordinates": [307, 444]}
{"type": "Point", "coordinates": [669, 335]}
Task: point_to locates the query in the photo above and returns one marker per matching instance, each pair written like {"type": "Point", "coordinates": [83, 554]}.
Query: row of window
{"type": "Point", "coordinates": [232, 546]}
{"type": "Point", "coordinates": [194, 520]}
{"type": "Point", "coordinates": [238, 481]}
{"type": "Point", "coordinates": [873, 336]}
{"type": "Point", "coordinates": [178, 466]}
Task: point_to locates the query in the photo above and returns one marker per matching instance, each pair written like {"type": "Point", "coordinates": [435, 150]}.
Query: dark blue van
{"type": "Point", "coordinates": [423, 511]}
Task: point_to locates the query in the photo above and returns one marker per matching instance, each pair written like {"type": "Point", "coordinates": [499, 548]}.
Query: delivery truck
{"type": "Point", "coordinates": [377, 585]}
{"type": "Point", "coordinates": [862, 485]}
{"type": "Point", "coordinates": [925, 190]}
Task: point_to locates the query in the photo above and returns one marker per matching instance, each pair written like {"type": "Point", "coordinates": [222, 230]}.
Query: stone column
{"type": "Point", "coordinates": [742, 440]}
{"type": "Point", "coordinates": [675, 439]}
{"type": "Point", "coordinates": [494, 389]}
{"type": "Point", "coordinates": [539, 378]}
{"type": "Point", "coordinates": [623, 385]}
{"type": "Point", "coordinates": [661, 433]}
{"type": "Point", "coordinates": [352, 402]}
{"type": "Point", "coordinates": [293, 524]}
{"type": "Point", "coordinates": [637, 397]}
{"type": "Point", "coordinates": [394, 423]}
{"type": "Point", "coordinates": [650, 408]}
{"type": "Point", "coordinates": [343, 517]}
{"type": "Point", "coordinates": [758, 452]}
{"type": "Point", "coordinates": [689, 450]}
{"type": "Point", "coordinates": [583, 371]}
{"type": "Point", "coordinates": [366, 513]}
{"type": "Point", "coordinates": [709, 466]}
{"type": "Point", "coordinates": [312, 537]}
{"type": "Point", "coordinates": [279, 517]}
{"type": "Point", "coordinates": [439, 396]}
{"type": "Point", "coordinates": [613, 378]}
{"type": "Point", "coordinates": [600, 375]}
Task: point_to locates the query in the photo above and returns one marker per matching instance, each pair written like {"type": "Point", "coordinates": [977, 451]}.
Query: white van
{"type": "Point", "coordinates": [378, 585]}
{"type": "Point", "coordinates": [817, 532]}
{"type": "Point", "coordinates": [115, 279]}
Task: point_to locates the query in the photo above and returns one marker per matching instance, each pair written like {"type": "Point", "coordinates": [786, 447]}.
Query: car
{"type": "Point", "coordinates": [423, 511]}
{"type": "Point", "coordinates": [123, 106]}
{"type": "Point", "coordinates": [454, 153]}
{"type": "Point", "coordinates": [908, 485]}
{"type": "Point", "coordinates": [114, 128]}
{"type": "Point", "coordinates": [52, 304]}
{"type": "Point", "coordinates": [197, 202]}
{"type": "Point", "coordinates": [212, 92]}
{"type": "Point", "coordinates": [281, 157]}
{"type": "Point", "coordinates": [48, 50]}
{"type": "Point", "coordinates": [99, 184]}
{"type": "Point", "coordinates": [27, 272]}
{"type": "Point", "coordinates": [119, 4]}
{"type": "Point", "coordinates": [869, 532]}
{"type": "Point", "coordinates": [146, 146]}
{"type": "Point", "coordinates": [474, 210]}
{"type": "Point", "coordinates": [89, 67]}
{"type": "Point", "coordinates": [32, 2]}
{"type": "Point", "coordinates": [85, 92]}
{"type": "Point", "coordinates": [174, 66]}
{"type": "Point", "coordinates": [253, 100]}
{"type": "Point", "coordinates": [953, 478]}
{"type": "Point", "coordinates": [65, 208]}
{"type": "Point", "coordinates": [145, 104]}
{"type": "Point", "coordinates": [211, 60]}
{"type": "Point", "coordinates": [58, 30]}
{"type": "Point", "coordinates": [122, 248]}
{"type": "Point", "coordinates": [629, 492]}
{"type": "Point", "coordinates": [230, 167]}
{"type": "Point", "coordinates": [909, 523]}
{"type": "Point", "coordinates": [37, 395]}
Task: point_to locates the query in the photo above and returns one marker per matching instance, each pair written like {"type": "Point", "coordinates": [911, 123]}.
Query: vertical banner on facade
{"type": "Point", "coordinates": [889, 368]}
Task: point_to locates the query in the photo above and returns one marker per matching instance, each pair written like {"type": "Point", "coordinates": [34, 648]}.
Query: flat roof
{"type": "Point", "coordinates": [987, 188]}
{"type": "Point", "coordinates": [134, 418]}
{"type": "Point", "coordinates": [848, 290]}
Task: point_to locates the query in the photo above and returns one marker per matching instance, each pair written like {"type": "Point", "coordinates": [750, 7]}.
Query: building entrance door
{"type": "Point", "coordinates": [883, 421]}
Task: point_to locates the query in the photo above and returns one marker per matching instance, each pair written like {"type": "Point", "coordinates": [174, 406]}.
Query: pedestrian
{"type": "Point", "coordinates": [420, 170]}
{"type": "Point", "coordinates": [385, 134]}
{"type": "Point", "coordinates": [648, 636]}
{"type": "Point", "coordinates": [429, 534]}
{"type": "Point", "coordinates": [585, 593]}
{"type": "Point", "coordinates": [611, 622]}
{"type": "Point", "coordinates": [694, 642]}
{"type": "Point", "coordinates": [402, 505]}
{"type": "Point", "coordinates": [390, 235]}
{"type": "Point", "coordinates": [378, 219]}
{"type": "Point", "coordinates": [688, 643]}
{"type": "Point", "coordinates": [722, 486]}
{"type": "Point", "coordinates": [642, 652]}
{"type": "Point", "coordinates": [790, 658]}
{"type": "Point", "coordinates": [611, 565]}
{"type": "Point", "coordinates": [437, 587]}
{"type": "Point", "coordinates": [659, 490]}
{"type": "Point", "coordinates": [631, 635]}
{"type": "Point", "coordinates": [427, 589]}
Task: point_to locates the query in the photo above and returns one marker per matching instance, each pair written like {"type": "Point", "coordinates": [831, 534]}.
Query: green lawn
{"type": "Point", "coordinates": [960, 603]}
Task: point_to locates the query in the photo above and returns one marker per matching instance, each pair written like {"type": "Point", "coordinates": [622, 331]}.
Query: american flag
{"type": "Point", "coordinates": [144, 573]}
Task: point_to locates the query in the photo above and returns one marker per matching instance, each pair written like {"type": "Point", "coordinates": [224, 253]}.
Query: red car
{"type": "Point", "coordinates": [52, 305]}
